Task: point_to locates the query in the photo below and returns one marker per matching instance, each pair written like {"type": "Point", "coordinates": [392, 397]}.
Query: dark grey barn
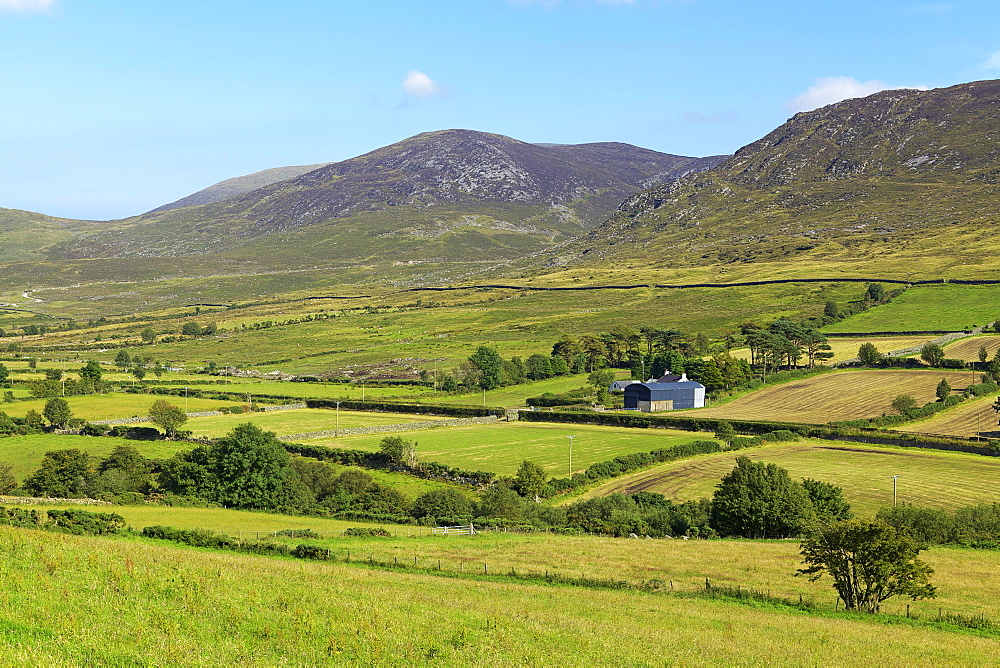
{"type": "Point", "coordinates": [667, 393]}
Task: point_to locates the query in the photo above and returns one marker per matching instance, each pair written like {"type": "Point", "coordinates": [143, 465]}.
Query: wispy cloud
{"type": "Point", "coordinates": [26, 5]}
{"type": "Point", "coordinates": [418, 84]}
{"type": "Point", "coordinates": [829, 90]}
{"type": "Point", "coordinates": [993, 62]}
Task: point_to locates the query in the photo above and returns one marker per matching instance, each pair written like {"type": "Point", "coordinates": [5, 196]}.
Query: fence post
{"type": "Point", "coordinates": [708, 585]}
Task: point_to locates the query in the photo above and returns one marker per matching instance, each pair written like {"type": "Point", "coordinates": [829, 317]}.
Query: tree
{"type": "Point", "coordinates": [868, 354]}
{"type": "Point", "coordinates": [123, 360]}
{"type": "Point", "coordinates": [4, 374]}
{"type": "Point", "coordinates": [167, 416]}
{"type": "Point", "coordinates": [827, 499]}
{"type": "Point", "coordinates": [932, 353]}
{"type": "Point", "coordinates": [875, 292]}
{"type": "Point", "coordinates": [831, 310]}
{"type": "Point", "coordinates": [61, 474]}
{"type": "Point", "coordinates": [869, 562]}
{"type": "Point", "coordinates": [983, 355]}
{"type": "Point", "coordinates": [758, 500]}
{"type": "Point", "coordinates": [601, 378]}
{"type": "Point", "coordinates": [399, 450]}
{"type": "Point", "coordinates": [148, 335]}
{"type": "Point", "coordinates": [191, 328]}
{"type": "Point", "coordinates": [724, 431]}
{"type": "Point", "coordinates": [490, 365]}
{"type": "Point", "coordinates": [943, 390]}
{"type": "Point", "coordinates": [530, 480]}
{"type": "Point", "coordinates": [903, 403]}
{"type": "Point", "coordinates": [57, 412]}
{"type": "Point", "coordinates": [539, 367]}
{"type": "Point", "coordinates": [250, 468]}
{"type": "Point", "coordinates": [447, 503]}
{"type": "Point", "coordinates": [92, 371]}
{"type": "Point", "coordinates": [8, 482]}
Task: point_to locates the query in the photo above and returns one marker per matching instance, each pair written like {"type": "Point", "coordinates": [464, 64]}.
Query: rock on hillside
{"type": "Point", "coordinates": [900, 171]}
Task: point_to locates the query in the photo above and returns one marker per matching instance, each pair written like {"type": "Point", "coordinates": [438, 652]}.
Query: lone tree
{"type": "Point", "coordinates": [932, 353]}
{"type": "Point", "coordinates": [869, 354]}
{"type": "Point", "coordinates": [57, 412]}
{"type": "Point", "coordinates": [943, 389]}
{"type": "Point", "coordinates": [164, 414]}
{"type": "Point", "coordinates": [869, 562]}
{"type": "Point", "coordinates": [530, 480]}
{"type": "Point", "coordinates": [399, 450]}
{"type": "Point", "coordinates": [903, 403]}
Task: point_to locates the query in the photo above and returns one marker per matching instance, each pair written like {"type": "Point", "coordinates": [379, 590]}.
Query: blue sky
{"type": "Point", "coordinates": [112, 107]}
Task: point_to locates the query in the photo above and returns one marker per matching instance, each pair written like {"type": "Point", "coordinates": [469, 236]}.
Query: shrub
{"type": "Point", "coordinates": [367, 532]}
{"type": "Point", "coordinates": [82, 522]}
{"type": "Point", "coordinates": [304, 551]}
{"type": "Point", "coordinates": [298, 533]}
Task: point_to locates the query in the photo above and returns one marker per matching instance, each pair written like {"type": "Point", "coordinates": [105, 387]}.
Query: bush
{"type": "Point", "coordinates": [297, 533]}
{"type": "Point", "coordinates": [367, 532]}
{"type": "Point", "coordinates": [82, 522]}
{"type": "Point", "coordinates": [304, 551]}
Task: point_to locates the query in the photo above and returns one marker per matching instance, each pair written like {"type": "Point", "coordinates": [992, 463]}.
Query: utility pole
{"type": "Point", "coordinates": [894, 489]}
{"type": "Point", "coordinates": [338, 418]}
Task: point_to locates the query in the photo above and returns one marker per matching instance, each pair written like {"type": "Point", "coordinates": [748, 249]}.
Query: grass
{"type": "Point", "coordinates": [929, 478]}
{"type": "Point", "coordinates": [972, 417]}
{"type": "Point", "coordinates": [297, 421]}
{"type": "Point", "coordinates": [844, 395]}
{"type": "Point", "coordinates": [932, 307]}
{"type": "Point", "coordinates": [114, 405]}
{"type": "Point", "coordinates": [71, 600]}
{"type": "Point", "coordinates": [24, 453]}
{"type": "Point", "coordinates": [968, 349]}
{"type": "Point", "coordinates": [501, 447]}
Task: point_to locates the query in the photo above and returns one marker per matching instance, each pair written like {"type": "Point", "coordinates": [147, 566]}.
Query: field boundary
{"type": "Point", "coordinates": [389, 428]}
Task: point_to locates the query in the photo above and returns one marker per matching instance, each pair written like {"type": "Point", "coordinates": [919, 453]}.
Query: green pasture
{"type": "Point", "coordinates": [25, 453]}
{"type": "Point", "coordinates": [115, 405]}
{"type": "Point", "coordinates": [501, 447]}
{"type": "Point", "coordinates": [71, 600]}
{"type": "Point", "coordinates": [930, 478]}
{"type": "Point", "coordinates": [932, 307]}
{"type": "Point", "coordinates": [296, 421]}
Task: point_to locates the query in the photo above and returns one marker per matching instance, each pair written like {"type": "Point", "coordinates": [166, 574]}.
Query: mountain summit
{"type": "Point", "coordinates": [914, 174]}
{"type": "Point", "coordinates": [467, 192]}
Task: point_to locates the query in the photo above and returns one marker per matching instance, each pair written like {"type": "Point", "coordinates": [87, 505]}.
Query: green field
{"type": "Point", "coordinates": [115, 405]}
{"type": "Point", "coordinates": [930, 478]}
{"type": "Point", "coordinates": [86, 601]}
{"type": "Point", "coordinates": [502, 446]}
{"type": "Point", "coordinates": [25, 453]}
{"type": "Point", "coordinates": [297, 421]}
{"type": "Point", "coordinates": [933, 307]}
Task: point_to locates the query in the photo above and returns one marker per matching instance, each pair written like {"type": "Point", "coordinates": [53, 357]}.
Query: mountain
{"type": "Point", "coordinates": [453, 195]}
{"type": "Point", "coordinates": [906, 179]}
{"type": "Point", "coordinates": [238, 185]}
{"type": "Point", "coordinates": [25, 235]}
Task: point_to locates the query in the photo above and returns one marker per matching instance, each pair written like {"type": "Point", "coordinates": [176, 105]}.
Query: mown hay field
{"type": "Point", "coordinates": [972, 417]}
{"type": "Point", "coordinates": [930, 478]}
{"type": "Point", "coordinates": [501, 447]}
{"type": "Point", "coordinates": [968, 349]}
{"type": "Point", "coordinates": [846, 348]}
{"type": "Point", "coordinates": [87, 601]}
{"type": "Point", "coordinates": [115, 405]}
{"type": "Point", "coordinates": [844, 395]}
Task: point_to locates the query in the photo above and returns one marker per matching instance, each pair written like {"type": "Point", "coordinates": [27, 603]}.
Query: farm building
{"type": "Point", "coordinates": [667, 393]}
{"type": "Point", "coordinates": [620, 385]}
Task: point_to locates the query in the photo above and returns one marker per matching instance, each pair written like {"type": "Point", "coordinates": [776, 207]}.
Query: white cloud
{"type": "Point", "coordinates": [418, 84]}
{"type": "Point", "coordinates": [993, 62]}
{"type": "Point", "coordinates": [26, 5]}
{"type": "Point", "coordinates": [828, 90]}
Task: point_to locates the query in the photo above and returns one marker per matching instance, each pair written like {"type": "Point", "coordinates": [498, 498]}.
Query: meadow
{"type": "Point", "coordinates": [24, 453]}
{"type": "Point", "coordinates": [928, 478]}
{"type": "Point", "coordinates": [77, 600]}
{"type": "Point", "coordinates": [844, 348]}
{"type": "Point", "coordinates": [928, 307]}
{"type": "Point", "coordinates": [115, 405]}
{"type": "Point", "coordinates": [502, 446]}
{"type": "Point", "coordinates": [844, 395]}
{"type": "Point", "coordinates": [296, 421]}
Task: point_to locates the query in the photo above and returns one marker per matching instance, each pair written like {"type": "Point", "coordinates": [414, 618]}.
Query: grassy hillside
{"type": "Point", "coordinates": [928, 307]}
{"type": "Point", "coordinates": [72, 600]}
{"type": "Point", "coordinates": [928, 477]}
